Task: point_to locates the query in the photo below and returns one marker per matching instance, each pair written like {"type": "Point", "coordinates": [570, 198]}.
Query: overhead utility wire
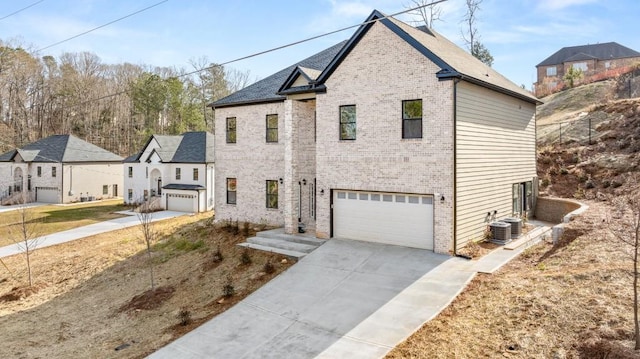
{"type": "Point", "coordinates": [104, 25]}
{"type": "Point", "coordinates": [18, 11]}
{"type": "Point", "coordinates": [310, 38]}
{"type": "Point", "coordinates": [273, 49]}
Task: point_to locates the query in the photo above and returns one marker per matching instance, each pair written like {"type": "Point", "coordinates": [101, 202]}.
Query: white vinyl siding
{"type": "Point", "coordinates": [495, 137]}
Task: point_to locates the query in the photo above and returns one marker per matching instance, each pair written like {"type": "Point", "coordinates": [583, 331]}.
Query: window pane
{"type": "Point", "coordinates": [272, 121]}
{"type": "Point", "coordinates": [231, 197]}
{"type": "Point", "coordinates": [387, 198]}
{"type": "Point", "coordinates": [412, 128]}
{"type": "Point", "coordinates": [272, 187]}
{"type": "Point", "coordinates": [412, 109]}
{"type": "Point", "coordinates": [347, 114]}
{"type": "Point", "coordinates": [375, 197]}
{"type": "Point", "coordinates": [400, 199]}
{"type": "Point", "coordinates": [352, 195]}
{"type": "Point", "coordinates": [347, 131]}
{"type": "Point", "coordinates": [231, 184]}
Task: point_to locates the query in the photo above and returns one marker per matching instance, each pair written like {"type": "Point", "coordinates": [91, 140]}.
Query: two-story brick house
{"type": "Point", "coordinates": [394, 136]}
{"type": "Point", "coordinates": [590, 59]}
{"type": "Point", "coordinates": [175, 172]}
{"type": "Point", "coordinates": [59, 169]}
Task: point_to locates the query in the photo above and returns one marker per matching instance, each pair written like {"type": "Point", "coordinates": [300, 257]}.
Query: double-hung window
{"type": "Point", "coordinates": [272, 194]}
{"type": "Point", "coordinates": [412, 119]}
{"type": "Point", "coordinates": [348, 122]}
{"type": "Point", "coordinates": [195, 174]}
{"type": "Point", "coordinates": [231, 130]}
{"type": "Point", "coordinates": [272, 128]}
{"type": "Point", "coordinates": [178, 173]}
{"type": "Point", "coordinates": [231, 190]}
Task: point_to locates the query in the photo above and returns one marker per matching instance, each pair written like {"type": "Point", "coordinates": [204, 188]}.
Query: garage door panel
{"type": "Point", "coordinates": [400, 219]}
{"type": "Point", "coordinates": [181, 202]}
{"type": "Point", "coordinates": [47, 194]}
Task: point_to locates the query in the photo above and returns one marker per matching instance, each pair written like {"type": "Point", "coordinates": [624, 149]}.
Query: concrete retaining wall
{"type": "Point", "coordinates": [557, 210]}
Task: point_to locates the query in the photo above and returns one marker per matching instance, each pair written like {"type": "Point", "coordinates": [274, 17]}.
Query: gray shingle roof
{"type": "Point", "coordinates": [266, 89]}
{"type": "Point", "coordinates": [195, 147]}
{"type": "Point", "coordinates": [61, 149]}
{"type": "Point", "coordinates": [189, 147]}
{"type": "Point", "coordinates": [454, 61]}
{"type": "Point", "coordinates": [605, 51]}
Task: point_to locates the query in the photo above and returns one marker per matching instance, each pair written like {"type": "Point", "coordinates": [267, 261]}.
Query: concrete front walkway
{"type": "Point", "coordinates": [86, 231]}
{"type": "Point", "coordinates": [347, 299]}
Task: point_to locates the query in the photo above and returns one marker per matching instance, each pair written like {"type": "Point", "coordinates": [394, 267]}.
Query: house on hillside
{"type": "Point", "coordinates": [590, 59]}
{"type": "Point", "coordinates": [395, 136]}
{"type": "Point", "coordinates": [59, 169]}
{"type": "Point", "coordinates": [174, 172]}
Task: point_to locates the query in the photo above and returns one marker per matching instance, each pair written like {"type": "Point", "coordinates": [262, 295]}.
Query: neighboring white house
{"type": "Point", "coordinates": [59, 169]}
{"type": "Point", "coordinates": [176, 172]}
{"type": "Point", "coordinates": [395, 136]}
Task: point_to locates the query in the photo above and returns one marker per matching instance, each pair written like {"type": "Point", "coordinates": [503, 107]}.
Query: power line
{"type": "Point", "coordinates": [101, 26]}
{"type": "Point", "coordinates": [18, 11]}
{"type": "Point", "coordinates": [274, 49]}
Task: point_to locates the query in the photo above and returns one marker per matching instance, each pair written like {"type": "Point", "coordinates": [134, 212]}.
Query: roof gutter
{"type": "Point", "coordinates": [473, 80]}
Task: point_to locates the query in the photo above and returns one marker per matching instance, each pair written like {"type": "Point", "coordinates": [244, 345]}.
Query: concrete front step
{"type": "Point", "coordinates": [278, 233]}
{"type": "Point", "coordinates": [282, 244]}
{"type": "Point", "coordinates": [291, 254]}
{"type": "Point", "coordinates": [294, 246]}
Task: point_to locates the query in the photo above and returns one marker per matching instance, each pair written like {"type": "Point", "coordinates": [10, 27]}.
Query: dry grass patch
{"type": "Point", "coordinates": [94, 297]}
{"type": "Point", "coordinates": [57, 218]}
{"type": "Point", "coordinates": [566, 301]}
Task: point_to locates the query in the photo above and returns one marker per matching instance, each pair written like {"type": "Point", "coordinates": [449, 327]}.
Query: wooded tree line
{"type": "Point", "coordinates": [114, 106]}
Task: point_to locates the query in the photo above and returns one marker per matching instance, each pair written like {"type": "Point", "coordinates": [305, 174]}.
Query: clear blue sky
{"type": "Point", "coordinates": [519, 33]}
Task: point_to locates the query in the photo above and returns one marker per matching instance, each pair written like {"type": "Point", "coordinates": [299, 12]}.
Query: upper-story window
{"type": "Point", "coordinates": [195, 174]}
{"type": "Point", "coordinates": [580, 66]}
{"type": "Point", "coordinates": [54, 171]}
{"type": "Point", "coordinates": [272, 128]}
{"type": "Point", "coordinates": [178, 173]}
{"type": "Point", "coordinates": [552, 71]}
{"type": "Point", "coordinates": [39, 171]}
{"type": "Point", "coordinates": [130, 171]}
{"type": "Point", "coordinates": [231, 130]}
{"type": "Point", "coordinates": [412, 119]}
{"type": "Point", "coordinates": [348, 122]}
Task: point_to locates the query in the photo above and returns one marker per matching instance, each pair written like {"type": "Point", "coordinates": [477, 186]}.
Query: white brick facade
{"type": "Point", "coordinates": [252, 161]}
{"type": "Point", "coordinates": [382, 67]}
{"type": "Point", "coordinates": [376, 76]}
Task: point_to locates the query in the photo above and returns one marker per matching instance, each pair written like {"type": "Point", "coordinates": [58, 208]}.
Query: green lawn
{"type": "Point", "coordinates": [55, 218]}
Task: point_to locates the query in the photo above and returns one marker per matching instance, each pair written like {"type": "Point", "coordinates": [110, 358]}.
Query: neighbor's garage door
{"type": "Point", "coordinates": [391, 218]}
{"type": "Point", "coordinates": [181, 202]}
{"type": "Point", "coordinates": [47, 195]}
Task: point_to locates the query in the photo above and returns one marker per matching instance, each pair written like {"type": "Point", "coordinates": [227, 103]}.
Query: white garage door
{"type": "Point", "coordinates": [47, 195]}
{"type": "Point", "coordinates": [391, 218]}
{"type": "Point", "coordinates": [181, 202]}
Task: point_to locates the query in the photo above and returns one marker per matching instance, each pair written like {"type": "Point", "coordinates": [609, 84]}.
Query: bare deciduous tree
{"type": "Point", "coordinates": [470, 33]}
{"type": "Point", "coordinates": [145, 216]}
{"type": "Point", "coordinates": [426, 11]}
{"type": "Point", "coordinates": [25, 235]}
{"type": "Point", "coordinates": [625, 227]}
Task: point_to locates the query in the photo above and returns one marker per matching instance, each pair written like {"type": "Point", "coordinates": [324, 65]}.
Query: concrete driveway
{"type": "Point", "coordinates": [347, 299]}
{"type": "Point", "coordinates": [90, 230]}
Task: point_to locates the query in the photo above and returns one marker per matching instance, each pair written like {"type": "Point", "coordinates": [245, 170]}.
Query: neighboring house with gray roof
{"type": "Point", "coordinates": [174, 172]}
{"type": "Point", "coordinates": [590, 59]}
{"type": "Point", "coordinates": [60, 169]}
{"type": "Point", "coordinates": [395, 136]}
